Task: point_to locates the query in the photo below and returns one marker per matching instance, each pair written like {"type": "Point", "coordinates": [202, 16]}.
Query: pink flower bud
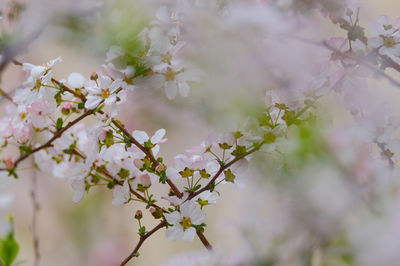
{"type": "Point", "coordinates": [152, 210]}
{"type": "Point", "coordinates": [138, 214]}
{"type": "Point", "coordinates": [9, 162]}
{"type": "Point", "coordinates": [160, 167]}
{"type": "Point", "coordinates": [94, 76]}
{"type": "Point", "coordinates": [145, 180]}
{"type": "Point", "coordinates": [138, 163]}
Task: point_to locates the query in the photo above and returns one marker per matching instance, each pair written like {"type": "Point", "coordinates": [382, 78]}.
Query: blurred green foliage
{"type": "Point", "coordinates": [8, 247]}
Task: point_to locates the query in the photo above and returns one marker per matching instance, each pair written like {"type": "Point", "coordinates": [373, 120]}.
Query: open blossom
{"type": "Point", "coordinates": [40, 113]}
{"type": "Point", "coordinates": [174, 79]}
{"type": "Point", "coordinates": [104, 90]}
{"type": "Point", "coordinates": [42, 74]}
{"type": "Point", "coordinates": [182, 222]}
{"type": "Point", "coordinates": [156, 139]}
{"type": "Point", "coordinates": [385, 37]}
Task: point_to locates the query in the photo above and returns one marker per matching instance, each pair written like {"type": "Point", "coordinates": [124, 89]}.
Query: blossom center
{"type": "Point", "coordinates": [389, 42]}
{"type": "Point", "coordinates": [23, 115]}
{"type": "Point", "coordinates": [186, 222]}
{"type": "Point", "coordinates": [166, 58]}
{"type": "Point", "coordinates": [105, 94]}
{"type": "Point", "coordinates": [169, 75]}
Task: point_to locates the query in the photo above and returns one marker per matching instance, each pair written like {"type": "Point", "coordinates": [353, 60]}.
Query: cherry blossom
{"type": "Point", "coordinates": [182, 222]}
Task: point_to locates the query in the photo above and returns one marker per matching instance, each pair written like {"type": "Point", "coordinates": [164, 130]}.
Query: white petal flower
{"type": "Point", "coordinates": [182, 222]}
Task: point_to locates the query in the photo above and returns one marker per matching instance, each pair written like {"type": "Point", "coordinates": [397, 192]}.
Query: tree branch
{"type": "Point", "coordinates": [135, 253]}
{"type": "Point", "coordinates": [35, 210]}
{"type": "Point", "coordinates": [221, 169]}
{"type": "Point", "coordinates": [49, 143]}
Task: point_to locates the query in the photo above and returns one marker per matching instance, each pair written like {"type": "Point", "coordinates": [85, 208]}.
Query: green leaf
{"type": "Point", "coordinates": [59, 123]}
{"type": "Point", "coordinates": [142, 231]}
{"type": "Point", "coordinates": [239, 151]}
{"type": "Point", "coordinates": [24, 150]}
{"type": "Point", "coordinates": [225, 146]}
{"type": "Point", "coordinates": [229, 176]}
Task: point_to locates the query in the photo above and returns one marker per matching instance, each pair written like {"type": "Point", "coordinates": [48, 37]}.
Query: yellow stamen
{"type": "Point", "coordinates": [389, 42]}
{"type": "Point", "coordinates": [166, 58]}
{"type": "Point", "coordinates": [186, 222]}
{"type": "Point", "coordinates": [105, 94]}
{"type": "Point", "coordinates": [169, 75]}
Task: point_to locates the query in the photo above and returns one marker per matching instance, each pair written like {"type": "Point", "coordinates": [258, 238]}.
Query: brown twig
{"type": "Point", "coordinates": [204, 240]}
{"type": "Point", "coordinates": [147, 151]}
{"type": "Point", "coordinates": [35, 210]}
{"type": "Point", "coordinates": [222, 168]}
{"type": "Point", "coordinates": [7, 96]}
{"type": "Point", "coordinates": [134, 253]}
{"type": "Point", "coordinates": [49, 143]}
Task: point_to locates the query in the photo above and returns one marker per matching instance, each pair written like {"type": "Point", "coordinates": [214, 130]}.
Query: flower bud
{"type": "Point", "coordinates": [138, 163]}
{"type": "Point", "coordinates": [66, 108]}
{"type": "Point", "coordinates": [156, 212]}
{"type": "Point", "coordinates": [145, 180]}
{"type": "Point", "coordinates": [9, 162]}
{"type": "Point", "coordinates": [138, 215]}
{"type": "Point", "coordinates": [160, 167]}
{"type": "Point", "coordinates": [94, 76]}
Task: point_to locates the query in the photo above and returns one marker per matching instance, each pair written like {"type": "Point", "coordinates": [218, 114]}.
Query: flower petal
{"type": "Point", "coordinates": [174, 232]}
{"type": "Point", "coordinates": [158, 136]}
{"type": "Point", "coordinates": [189, 234]}
{"type": "Point", "coordinates": [173, 218]}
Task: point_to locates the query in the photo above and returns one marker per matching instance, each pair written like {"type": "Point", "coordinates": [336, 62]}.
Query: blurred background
{"type": "Point", "coordinates": [279, 206]}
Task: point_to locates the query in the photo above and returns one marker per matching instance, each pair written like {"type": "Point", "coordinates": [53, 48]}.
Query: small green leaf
{"type": "Point", "coordinates": [142, 231]}
{"type": "Point", "coordinates": [59, 123]}
{"type": "Point", "coordinates": [229, 176]}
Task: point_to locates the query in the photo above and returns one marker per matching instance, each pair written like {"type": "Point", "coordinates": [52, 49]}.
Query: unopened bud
{"type": "Point", "coordinates": [160, 167]}
{"type": "Point", "coordinates": [138, 215]}
{"type": "Point", "coordinates": [66, 108]}
{"type": "Point", "coordinates": [156, 212]}
{"type": "Point", "coordinates": [145, 180]}
{"type": "Point", "coordinates": [94, 76]}
{"type": "Point", "coordinates": [9, 162]}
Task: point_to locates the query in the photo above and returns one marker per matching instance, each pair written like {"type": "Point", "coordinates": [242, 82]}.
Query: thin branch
{"type": "Point", "coordinates": [146, 151]}
{"type": "Point", "coordinates": [135, 253]}
{"type": "Point", "coordinates": [204, 240]}
{"type": "Point", "coordinates": [35, 210]}
{"type": "Point", "coordinates": [7, 96]}
{"type": "Point", "coordinates": [221, 169]}
{"type": "Point", "coordinates": [105, 172]}
{"type": "Point", "coordinates": [359, 60]}
{"type": "Point", "coordinates": [49, 143]}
